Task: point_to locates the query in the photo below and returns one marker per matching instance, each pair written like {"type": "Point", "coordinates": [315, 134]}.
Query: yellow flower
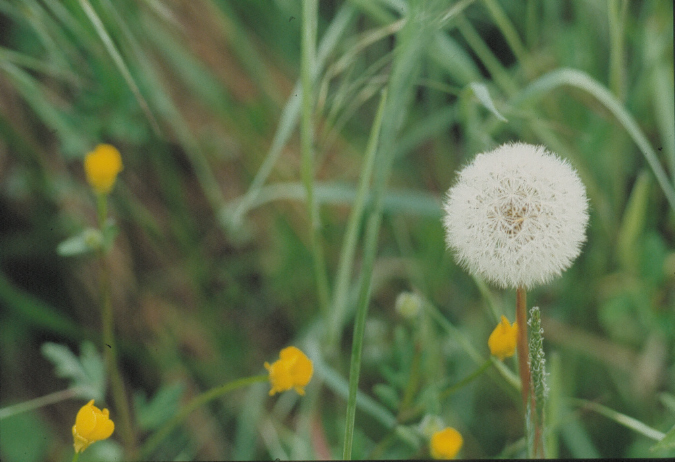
{"type": "Point", "coordinates": [102, 166]}
{"type": "Point", "coordinates": [503, 339]}
{"type": "Point", "coordinates": [91, 425]}
{"type": "Point", "coordinates": [293, 369]}
{"type": "Point", "coordinates": [445, 444]}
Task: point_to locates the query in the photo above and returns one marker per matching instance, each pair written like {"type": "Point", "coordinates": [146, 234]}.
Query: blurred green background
{"type": "Point", "coordinates": [214, 269]}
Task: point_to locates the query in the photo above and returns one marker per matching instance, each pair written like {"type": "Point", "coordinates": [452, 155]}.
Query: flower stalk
{"type": "Point", "coordinates": [101, 167]}
{"type": "Point", "coordinates": [109, 345]}
{"type": "Point", "coordinates": [153, 442]}
{"type": "Point", "coordinates": [523, 361]}
{"type": "Point", "coordinates": [538, 387]}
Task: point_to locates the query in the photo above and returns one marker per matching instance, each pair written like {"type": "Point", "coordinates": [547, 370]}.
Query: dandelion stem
{"type": "Point", "coordinates": [76, 456]}
{"type": "Point", "coordinates": [525, 372]}
{"type": "Point", "coordinates": [523, 365]}
{"type": "Point", "coordinates": [152, 442]}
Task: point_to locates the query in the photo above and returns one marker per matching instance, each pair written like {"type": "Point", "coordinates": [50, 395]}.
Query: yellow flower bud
{"type": "Point", "coordinates": [293, 369]}
{"type": "Point", "coordinates": [445, 444]}
{"type": "Point", "coordinates": [91, 425]}
{"type": "Point", "coordinates": [503, 339]}
{"type": "Point", "coordinates": [102, 166]}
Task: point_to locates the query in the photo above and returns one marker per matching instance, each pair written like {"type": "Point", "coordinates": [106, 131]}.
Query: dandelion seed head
{"type": "Point", "coordinates": [516, 216]}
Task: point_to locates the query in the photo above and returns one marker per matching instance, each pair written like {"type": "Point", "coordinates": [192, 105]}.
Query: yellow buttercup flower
{"type": "Point", "coordinates": [293, 369]}
{"type": "Point", "coordinates": [102, 166]}
{"type": "Point", "coordinates": [91, 425]}
{"type": "Point", "coordinates": [503, 339]}
{"type": "Point", "coordinates": [445, 444]}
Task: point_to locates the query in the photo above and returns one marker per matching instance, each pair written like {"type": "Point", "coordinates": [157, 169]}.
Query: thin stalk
{"type": "Point", "coordinates": [407, 415]}
{"type": "Point", "coordinates": [119, 63]}
{"type": "Point", "coordinates": [109, 346]}
{"type": "Point", "coordinates": [413, 381]}
{"type": "Point", "coordinates": [101, 209]}
{"type": "Point", "coordinates": [37, 403]}
{"type": "Point", "coordinates": [538, 388]}
{"type": "Point", "coordinates": [523, 348]}
{"type": "Point", "coordinates": [309, 20]}
{"type": "Point", "coordinates": [622, 419]}
{"type": "Point", "coordinates": [348, 251]}
{"type": "Point", "coordinates": [412, 40]}
{"type": "Point", "coordinates": [76, 456]}
{"type": "Point", "coordinates": [617, 76]}
{"type": "Point", "coordinates": [459, 385]}
{"type": "Point", "coordinates": [359, 329]}
{"type": "Point", "coordinates": [509, 32]}
{"type": "Point", "coordinates": [197, 402]}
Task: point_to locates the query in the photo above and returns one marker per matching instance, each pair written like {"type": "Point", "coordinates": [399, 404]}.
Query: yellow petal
{"type": "Point", "coordinates": [503, 339]}
{"type": "Point", "coordinates": [102, 166]}
{"type": "Point", "coordinates": [445, 444]}
{"type": "Point", "coordinates": [293, 370]}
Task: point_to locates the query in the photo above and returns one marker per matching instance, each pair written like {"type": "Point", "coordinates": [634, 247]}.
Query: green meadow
{"type": "Point", "coordinates": [285, 164]}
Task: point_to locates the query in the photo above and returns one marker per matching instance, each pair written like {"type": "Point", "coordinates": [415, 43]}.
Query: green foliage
{"type": "Point", "coordinates": [151, 414]}
{"type": "Point", "coordinates": [667, 442]}
{"type": "Point", "coordinates": [89, 240]}
{"type": "Point", "coordinates": [217, 260]}
{"type": "Point", "coordinates": [24, 437]}
{"type": "Point", "coordinates": [86, 372]}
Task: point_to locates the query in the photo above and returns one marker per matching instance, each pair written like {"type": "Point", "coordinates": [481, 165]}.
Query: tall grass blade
{"type": "Point", "coordinates": [119, 62]}
{"type": "Point", "coordinates": [290, 114]}
{"type": "Point", "coordinates": [582, 81]}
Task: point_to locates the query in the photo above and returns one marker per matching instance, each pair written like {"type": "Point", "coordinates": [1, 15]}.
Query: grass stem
{"type": "Point", "coordinates": [309, 26]}
{"type": "Point", "coordinates": [153, 442]}
{"type": "Point", "coordinates": [348, 251]}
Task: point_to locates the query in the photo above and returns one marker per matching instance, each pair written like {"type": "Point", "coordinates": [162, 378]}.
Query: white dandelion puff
{"type": "Point", "coordinates": [517, 216]}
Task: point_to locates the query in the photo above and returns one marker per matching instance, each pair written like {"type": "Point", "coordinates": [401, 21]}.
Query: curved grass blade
{"type": "Point", "coordinates": [583, 81]}
{"type": "Point", "coordinates": [119, 62]}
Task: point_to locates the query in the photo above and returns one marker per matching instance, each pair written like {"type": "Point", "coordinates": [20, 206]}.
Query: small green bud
{"type": "Point", "coordinates": [408, 304]}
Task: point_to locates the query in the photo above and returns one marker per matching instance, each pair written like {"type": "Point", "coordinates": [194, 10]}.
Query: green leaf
{"type": "Point", "coordinates": [87, 241]}
{"type": "Point", "coordinates": [667, 442]}
{"type": "Point", "coordinates": [87, 372]}
{"type": "Point", "coordinates": [481, 92]}
{"type": "Point", "coordinates": [164, 405]}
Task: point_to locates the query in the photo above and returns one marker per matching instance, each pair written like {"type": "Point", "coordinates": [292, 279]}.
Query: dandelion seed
{"type": "Point", "coordinates": [102, 166]}
{"type": "Point", "coordinates": [293, 370]}
{"type": "Point", "coordinates": [445, 444]}
{"type": "Point", "coordinates": [91, 425]}
{"type": "Point", "coordinates": [517, 216]}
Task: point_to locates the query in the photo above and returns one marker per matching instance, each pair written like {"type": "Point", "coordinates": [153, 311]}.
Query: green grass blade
{"type": "Point", "coordinates": [621, 419]}
{"type": "Point", "coordinates": [409, 202]}
{"type": "Point", "coordinates": [582, 81]}
{"type": "Point", "coordinates": [119, 62]}
{"type": "Point", "coordinates": [291, 112]}
{"type": "Point", "coordinates": [348, 251]}
{"type": "Point", "coordinates": [308, 74]}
